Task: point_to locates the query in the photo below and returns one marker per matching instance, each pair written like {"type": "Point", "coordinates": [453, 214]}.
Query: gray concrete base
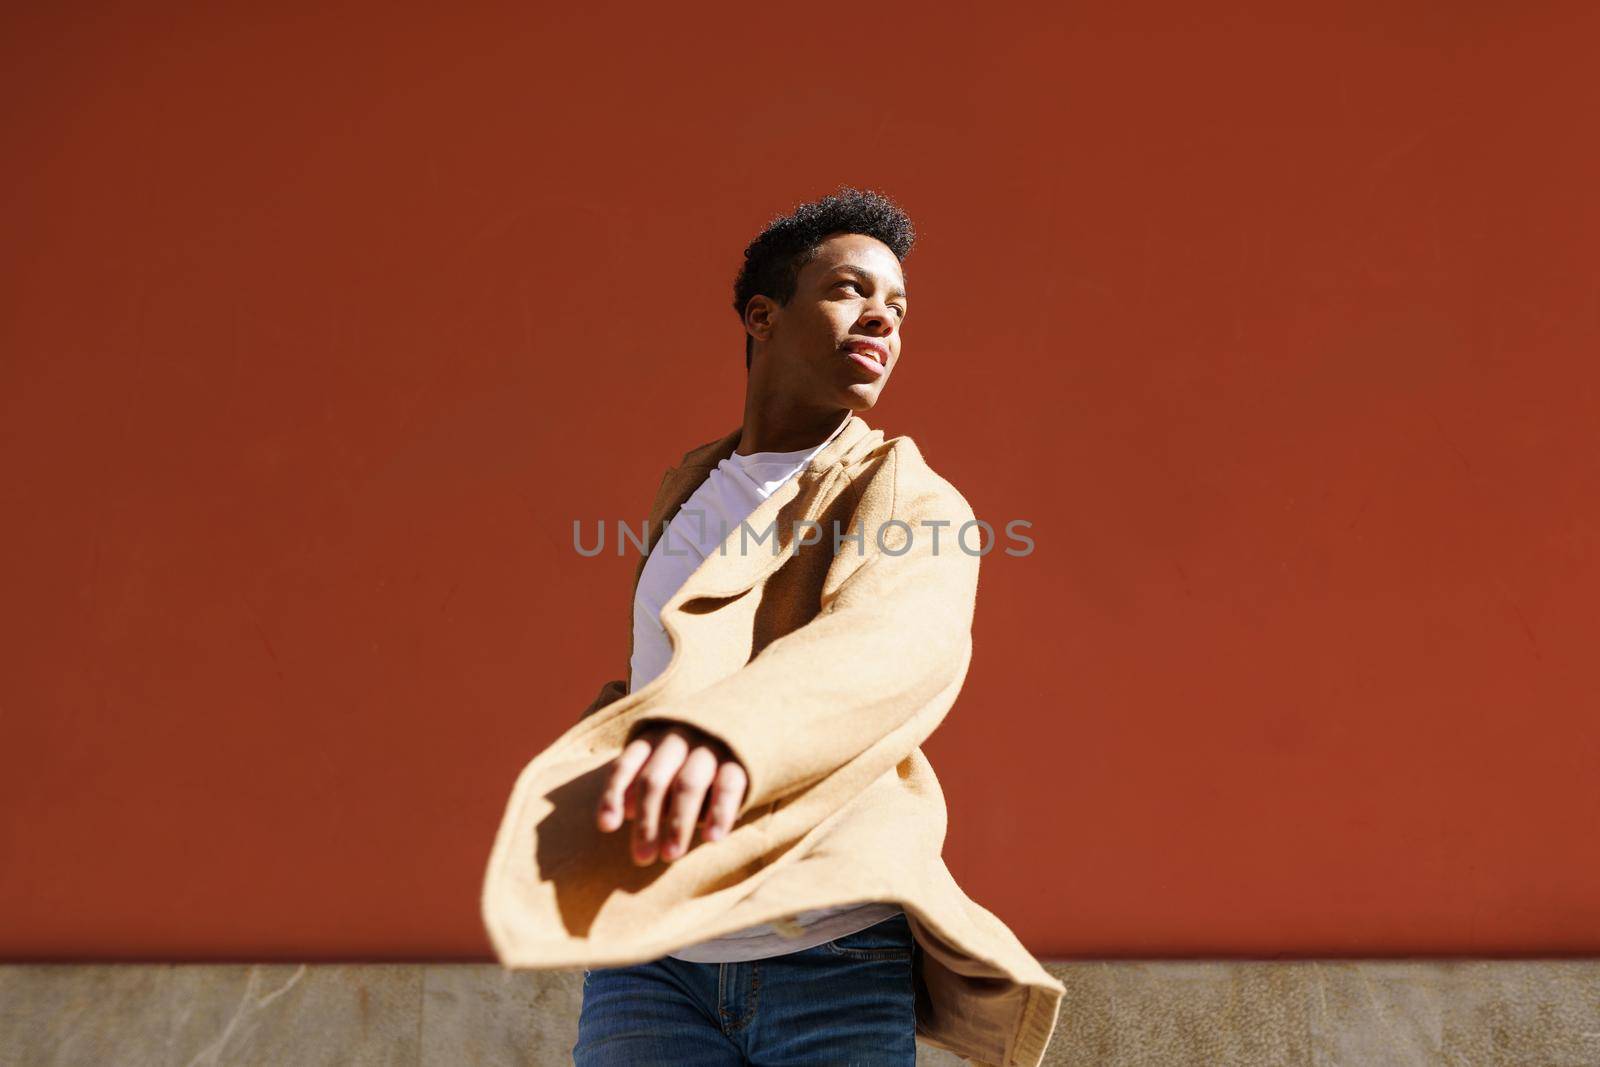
{"type": "Point", "coordinates": [1323, 1014]}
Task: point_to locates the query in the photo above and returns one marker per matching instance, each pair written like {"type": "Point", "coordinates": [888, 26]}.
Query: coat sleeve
{"type": "Point", "coordinates": [615, 689]}
{"type": "Point", "coordinates": [892, 644]}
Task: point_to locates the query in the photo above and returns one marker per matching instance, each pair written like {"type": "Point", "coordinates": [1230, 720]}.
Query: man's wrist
{"type": "Point", "coordinates": [655, 729]}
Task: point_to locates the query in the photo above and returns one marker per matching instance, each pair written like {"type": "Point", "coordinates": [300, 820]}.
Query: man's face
{"type": "Point", "coordinates": [849, 302]}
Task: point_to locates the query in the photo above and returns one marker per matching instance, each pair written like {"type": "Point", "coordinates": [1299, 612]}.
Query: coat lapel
{"type": "Point", "coordinates": [741, 560]}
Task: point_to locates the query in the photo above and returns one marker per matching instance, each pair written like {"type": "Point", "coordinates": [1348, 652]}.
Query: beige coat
{"type": "Point", "coordinates": [823, 672]}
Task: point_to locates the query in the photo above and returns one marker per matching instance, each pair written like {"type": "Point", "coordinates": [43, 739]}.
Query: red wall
{"type": "Point", "coordinates": [316, 333]}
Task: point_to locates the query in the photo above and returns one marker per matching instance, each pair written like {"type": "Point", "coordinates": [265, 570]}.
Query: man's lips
{"type": "Point", "coordinates": [872, 356]}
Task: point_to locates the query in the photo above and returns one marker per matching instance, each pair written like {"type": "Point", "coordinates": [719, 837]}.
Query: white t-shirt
{"type": "Point", "coordinates": [733, 489]}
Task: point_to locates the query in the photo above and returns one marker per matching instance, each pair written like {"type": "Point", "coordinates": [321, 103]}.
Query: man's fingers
{"type": "Point", "coordinates": [727, 793]}
{"type": "Point", "coordinates": [654, 778]}
{"type": "Point", "coordinates": [688, 796]}
{"type": "Point", "coordinates": [611, 811]}
{"type": "Point", "coordinates": [667, 783]}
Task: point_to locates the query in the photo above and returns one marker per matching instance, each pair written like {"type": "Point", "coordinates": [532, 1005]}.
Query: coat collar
{"type": "Point", "coordinates": [734, 571]}
{"type": "Point", "coordinates": [713, 452]}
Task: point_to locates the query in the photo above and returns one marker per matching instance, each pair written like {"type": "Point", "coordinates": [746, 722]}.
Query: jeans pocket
{"type": "Point", "coordinates": [889, 939]}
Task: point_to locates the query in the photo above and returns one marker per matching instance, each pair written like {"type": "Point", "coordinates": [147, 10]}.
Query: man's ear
{"type": "Point", "coordinates": [759, 315]}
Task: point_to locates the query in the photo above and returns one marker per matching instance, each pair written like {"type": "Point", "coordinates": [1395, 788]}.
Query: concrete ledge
{"type": "Point", "coordinates": [1167, 1014]}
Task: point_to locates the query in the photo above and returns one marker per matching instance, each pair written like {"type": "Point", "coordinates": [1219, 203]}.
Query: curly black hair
{"type": "Point", "coordinates": [772, 262]}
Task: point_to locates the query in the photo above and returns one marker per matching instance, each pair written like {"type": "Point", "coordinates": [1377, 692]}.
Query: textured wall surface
{"type": "Point", "coordinates": [1302, 1014]}
{"type": "Point", "coordinates": [321, 325]}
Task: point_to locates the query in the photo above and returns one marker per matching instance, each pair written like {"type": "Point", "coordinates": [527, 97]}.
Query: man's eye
{"type": "Point", "coordinates": [900, 311]}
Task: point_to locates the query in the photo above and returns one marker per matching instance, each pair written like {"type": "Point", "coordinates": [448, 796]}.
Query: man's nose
{"type": "Point", "coordinates": [882, 320]}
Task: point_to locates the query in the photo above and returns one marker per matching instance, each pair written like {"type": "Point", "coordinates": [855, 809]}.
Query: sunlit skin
{"type": "Point", "coordinates": [671, 779]}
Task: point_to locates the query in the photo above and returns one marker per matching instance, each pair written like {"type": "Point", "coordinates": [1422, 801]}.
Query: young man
{"type": "Point", "coordinates": [800, 624]}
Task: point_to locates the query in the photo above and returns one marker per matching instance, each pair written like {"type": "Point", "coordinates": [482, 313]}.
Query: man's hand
{"type": "Point", "coordinates": [676, 765]}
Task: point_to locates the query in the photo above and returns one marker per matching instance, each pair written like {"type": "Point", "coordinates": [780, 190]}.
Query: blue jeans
{"type": "Point", "coordinates": [848, 1001]}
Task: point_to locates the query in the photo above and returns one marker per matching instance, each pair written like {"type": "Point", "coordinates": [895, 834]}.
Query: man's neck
{"type": "Point", "coordinates": [786, 429]}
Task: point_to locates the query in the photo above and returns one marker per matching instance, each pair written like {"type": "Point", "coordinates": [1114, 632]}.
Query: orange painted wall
{"type": "Point", "coordinates": [317, 332]}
